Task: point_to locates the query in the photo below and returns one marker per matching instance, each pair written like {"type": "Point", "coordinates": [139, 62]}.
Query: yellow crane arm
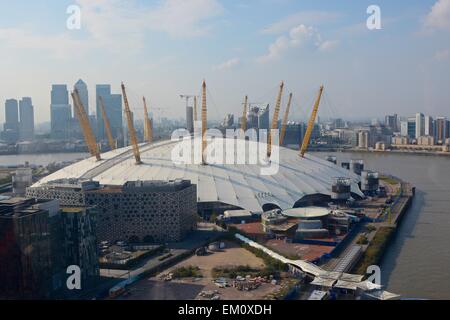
{"type": "Point", "coordinates": [131, 130]}
{"type": "Point", "coordinates": [244, 115]}
{"type": "Point", "coordinates": [148, 134]}
{"type": "Point", "coordinates": [274, 120]}
{"type": "Point", "coordinates": [111, 142]}
{"type": "Point", "coordinates": [204, 122]}
{"type": "Point", "coordinates": [85, 126]}
{"type": "Point", "coordinates": [285, 119]}
{"type": "Point", "coordinates": [310, 127]}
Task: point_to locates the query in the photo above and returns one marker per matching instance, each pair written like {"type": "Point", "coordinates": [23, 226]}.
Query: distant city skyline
{"type": "Point", "coordinates": [163, 48]}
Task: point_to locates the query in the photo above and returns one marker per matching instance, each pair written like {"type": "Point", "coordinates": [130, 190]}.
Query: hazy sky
{"type": "Point", "coordinates": [161, 49]}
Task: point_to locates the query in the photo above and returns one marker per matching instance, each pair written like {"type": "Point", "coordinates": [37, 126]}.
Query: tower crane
{"type": "Point", "coordinates": [132, 131]}
{"type": "Point", "coordinates": [112, 143]}
{"type": "Point", "coordinates": [285, 119]}
{"type": "Point", "coordinates": [148, 130]}
{"type": "Point", "coordinates": [310, 127]}
{"type": "Point", "coordinates": [85, 126]}
{"type": "Point", "coordinates": [274, 120]}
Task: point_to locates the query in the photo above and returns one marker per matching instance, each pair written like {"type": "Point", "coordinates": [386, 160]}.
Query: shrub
{"type": "Point", "coordinates": [187, 272]}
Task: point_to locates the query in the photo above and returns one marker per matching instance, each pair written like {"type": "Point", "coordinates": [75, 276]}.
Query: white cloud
{"type": "Point", "coordinates": [58, 46]}
{"type": "Point", "coordinates": [302, 17]}
{"type": "Point", "coordinates": [229, 64]}
{"type": "Point", "coordinates": [439, 16]}
{"type": "Point", "coordinates": [441, 55]}
{"type": "Point", "coordinates": [184, 18]}
{"type": "Point", "coordinates": [118, 26]}
{"type": "Point", "coordinates": [298, 36]}
{"type": "Point", "coordinates": [328, 45]}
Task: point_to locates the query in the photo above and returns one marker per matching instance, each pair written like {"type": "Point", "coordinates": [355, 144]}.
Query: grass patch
{"type": "Point", "coordinates": [389, 180]}
{"type": "Point", "coordinates": [272, 266]}
{"type": "Point", "coordinates": [187, 272]}
{"type": "Point", "coordinates": [233, 272]}
{"type": "Point", "coordinates": [375, 249]}
{"type": "Point", "coordinates": [165, 257]}
{"type": "Point", "coordinates": [362, 240]}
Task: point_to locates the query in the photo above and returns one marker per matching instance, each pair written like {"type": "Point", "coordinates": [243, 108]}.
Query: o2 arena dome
{"type": "Point", "coordinates": [298, 181]}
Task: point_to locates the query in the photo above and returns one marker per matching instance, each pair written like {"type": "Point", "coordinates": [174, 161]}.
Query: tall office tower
{"type": "Point", "coordinates": [190, 119]}
{"type": "Point", "coordinates": [429, 126]}
{"type": "Point", "coordinates": [84, 94]}
{"type": "Point", "coordinates": [263, 118]}
{"type": "Point", "coordinates": [113, 109]}
{"type": "Point", "coordinates": [80, 239]}
{"type": "Point", "coordinates": [441, 129]}
{"type": "Point", "coordinates": [391, 121]}
{"type": "Point", "coordinates": [26, 124]}
{"type": "Point", "coordinates": [420, 125]}
{"type": "Point", "coordinates": [25, 261]}
{"type": "Point", "coordinates": [294, 134]}
{"type": "Point", "coordinates": [60, 112]}
{"type": "Point", "coordinates": [412, 127]}
{"type": "Point", "coordinates": [363, 139]}
{"type": "Point", "coordinates": [339, 123]}
{"type": "Point", "coordinates": [11, 126]}
{"type": "Point", "coordinates": [252, 118]}
{"type": "Point", "coordinates": [404, 128]}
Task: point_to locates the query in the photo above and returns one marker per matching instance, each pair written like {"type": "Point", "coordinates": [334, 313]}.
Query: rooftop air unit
{"type": "Point", "coordinates": [345, 165]}
{"type": "Point", "coordinates": [357, 166]}
{"type": "Point", "coordinates": [340, 189]}
{"type": "Point", "coordinates": [370, 181]}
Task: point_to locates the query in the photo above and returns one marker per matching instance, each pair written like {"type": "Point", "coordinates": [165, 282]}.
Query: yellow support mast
{"type": "Point", "coordinates": [204, 122]}
{"type": "Point", "coordinates": [274, 120]}
{"type": "Point", "coordinates": [311, 122]}
{"type": "Point", "coordinates": [244, 115]}
{"type": "Point", "coordinates": [131, 130]}
{"type": "Point", "coordinates": [112, 143]}
{"type": "Point", "coordinates": [285, 119]}
{"type": "Point", "coordinates": [148, 132]}
{"type": "Point", "coordinates": [85, 126]}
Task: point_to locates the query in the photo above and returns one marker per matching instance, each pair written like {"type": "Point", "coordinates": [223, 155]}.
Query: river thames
{"type": "Point", "coordinates": [417, 262]}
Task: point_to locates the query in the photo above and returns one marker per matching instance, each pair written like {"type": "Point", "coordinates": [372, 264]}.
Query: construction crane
{"type": "Point", "coordinates": [285, 119]}
{"type": "Point", "coordinates": [244, 115]}
{"type": "Point", "coordinates": [148, 130]}
{"type": "Point", "coordinates": [204, 122]}
{"type": "Point", "coordinates": [85, 126]}
{"type": "Point", "coordinates": [311, 122]}
{"type": "Point", "coordinates": [274, 120]}
{"type": "Point", "coordinates": [131, 130]}
{"type": "Point", "coordinates": [112, 143]}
